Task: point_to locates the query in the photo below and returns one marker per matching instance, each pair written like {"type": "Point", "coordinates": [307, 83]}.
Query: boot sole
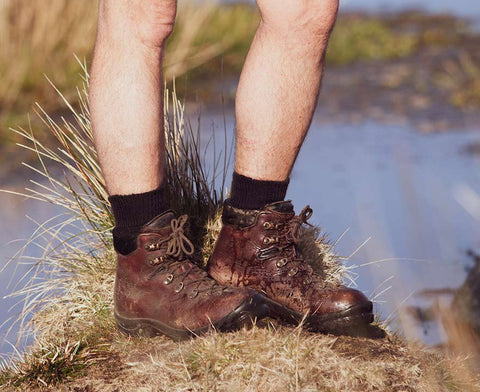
{"type": "Point", "coordinates": [252, 309]}
{"type": "Point", "coordinates": [351, 321]}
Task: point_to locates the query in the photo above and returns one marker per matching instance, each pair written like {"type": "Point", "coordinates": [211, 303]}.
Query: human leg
{"type": "Point", "coordinates": [126, 92]}
{"type": "Point", "coordinates": [158, 289]}
{"type": "Point", "coordinates": [276, 98]}
{"type": "Point", "coordinates": [277, 95]}
{"type": "Point", "coordinates": [279, 85]}
{"type": "Point", "coordinates": [127, 109]}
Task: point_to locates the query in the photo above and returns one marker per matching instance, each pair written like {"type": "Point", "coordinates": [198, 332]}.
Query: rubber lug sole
{"type": "Point", "coordinates": [351, 321]}
{"type": "Point", "coordinates": [252, 309]}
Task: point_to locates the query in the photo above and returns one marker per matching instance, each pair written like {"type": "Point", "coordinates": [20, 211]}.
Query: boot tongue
{"type": "Point", "coordinates": [160, 221]}
{"type": "Point", "coordinates": [283, 207]}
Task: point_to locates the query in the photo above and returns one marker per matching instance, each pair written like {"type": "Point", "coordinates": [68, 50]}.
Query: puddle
{"type": "Point", "coordinates": [17, 224]}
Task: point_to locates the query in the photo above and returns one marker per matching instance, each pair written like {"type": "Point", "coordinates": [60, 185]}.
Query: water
{"type": "Point", "coordinates": [409, 192]}
{"type": "Point", "coordinates": [18, 217]}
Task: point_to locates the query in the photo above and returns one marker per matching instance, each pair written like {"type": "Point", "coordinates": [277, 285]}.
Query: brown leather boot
{"type": "Point", "coordinates": [158, 290]}
{"type": "Point", "coordinates": [258, 250]}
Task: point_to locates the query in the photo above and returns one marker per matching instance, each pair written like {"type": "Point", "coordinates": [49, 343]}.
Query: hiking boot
{"type": "Point", "coordinates": [159, 290]}
{"type": "Point", "coordinates": [258, 249]}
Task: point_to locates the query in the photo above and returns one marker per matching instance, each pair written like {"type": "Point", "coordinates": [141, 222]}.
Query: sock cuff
{"type": "Point", "coordinates": [248, 193]}
{"type": "Point", "coordinates": [137, 209]}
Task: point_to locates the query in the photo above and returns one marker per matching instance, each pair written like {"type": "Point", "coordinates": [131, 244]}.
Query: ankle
{"type": "Point", "coordinates": [131, 212]}
{"type": "Point", "coordinates": [251, 194]}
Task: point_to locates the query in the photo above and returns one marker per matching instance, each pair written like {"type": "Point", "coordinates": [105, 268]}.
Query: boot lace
{"type": "Point", "coordinates": [177, 247]}
{"type": "Point", "coordinates": [285, 243]}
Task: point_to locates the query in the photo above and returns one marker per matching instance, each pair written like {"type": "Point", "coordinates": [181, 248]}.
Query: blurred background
{"type": "Point", "coordinates": [390, 166]}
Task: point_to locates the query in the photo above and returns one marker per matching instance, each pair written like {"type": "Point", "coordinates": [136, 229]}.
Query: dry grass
{"type": "Point", "coordinates": [69, 296]}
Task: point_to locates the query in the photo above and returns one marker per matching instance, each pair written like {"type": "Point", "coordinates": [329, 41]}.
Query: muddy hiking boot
{"type": "Point", "coordinates": [159, 290]}
{"type": "Point", "coordinates": [258, 249]}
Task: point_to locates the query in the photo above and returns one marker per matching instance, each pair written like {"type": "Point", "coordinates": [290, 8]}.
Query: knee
{"type": "Point", "coordinates": [299, 17]}
{"type": "Point", "coordinates": [149, 21]}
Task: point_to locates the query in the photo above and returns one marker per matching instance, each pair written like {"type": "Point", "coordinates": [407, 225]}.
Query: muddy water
{"type": "Point", "coordinates": [415, 196]}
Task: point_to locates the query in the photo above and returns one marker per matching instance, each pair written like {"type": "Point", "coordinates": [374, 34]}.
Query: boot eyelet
{"type": "Point", "coordinates": [293, 271]}
{"type": "Point", "coordinates": [267, 225]}
{"type": "Point", "coordinates": [179, 287]}
{"type": "Point", "coordinates": [157, 260]}
{"type": "Point", "coordinates": [267, 240]}
{"type": "Point", "coordinates": [150, 247]}
{"type": "Point", "coordinates": [282, 262]}
{"type": "Point", "coordinates": [193, 293]}
{"type": "Point", "coordinates": [169, 279]}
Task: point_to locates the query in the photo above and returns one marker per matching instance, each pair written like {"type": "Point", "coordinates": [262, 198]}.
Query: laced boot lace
{"type": "Point", "coordinates": [286, 242]}
{"type": "Point", "coordinates": [177, 248]}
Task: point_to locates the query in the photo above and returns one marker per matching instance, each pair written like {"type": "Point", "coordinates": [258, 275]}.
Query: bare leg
{"type": "Point", "coordinates": [279, 85]}
{"type": "Point", "coordinates": [126, 92]}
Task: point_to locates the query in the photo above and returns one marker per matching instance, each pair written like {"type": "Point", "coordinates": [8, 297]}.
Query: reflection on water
{"type": "Point", "coordinates": [403, 189]}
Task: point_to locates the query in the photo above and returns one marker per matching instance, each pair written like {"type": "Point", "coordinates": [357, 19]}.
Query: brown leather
{"type": "Point", "coordinates": [158, 281]}
{"type": "Point", "coordinates": [258, 249]}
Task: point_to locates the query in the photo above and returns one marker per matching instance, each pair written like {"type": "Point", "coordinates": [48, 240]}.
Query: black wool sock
{"type": "Point", "coordinates": [131, 212]}
{"type": "Point", "coordinates": [250, 194]}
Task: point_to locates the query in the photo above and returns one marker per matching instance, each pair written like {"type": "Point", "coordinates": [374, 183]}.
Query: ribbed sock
{"type": "Point", "coordinates": [250, 194]}
{"type": "Point", "coordinates": [131, 212]}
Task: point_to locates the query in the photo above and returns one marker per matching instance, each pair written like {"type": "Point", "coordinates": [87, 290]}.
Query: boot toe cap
{"type": "Point", "coordinates": [342, 300]}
